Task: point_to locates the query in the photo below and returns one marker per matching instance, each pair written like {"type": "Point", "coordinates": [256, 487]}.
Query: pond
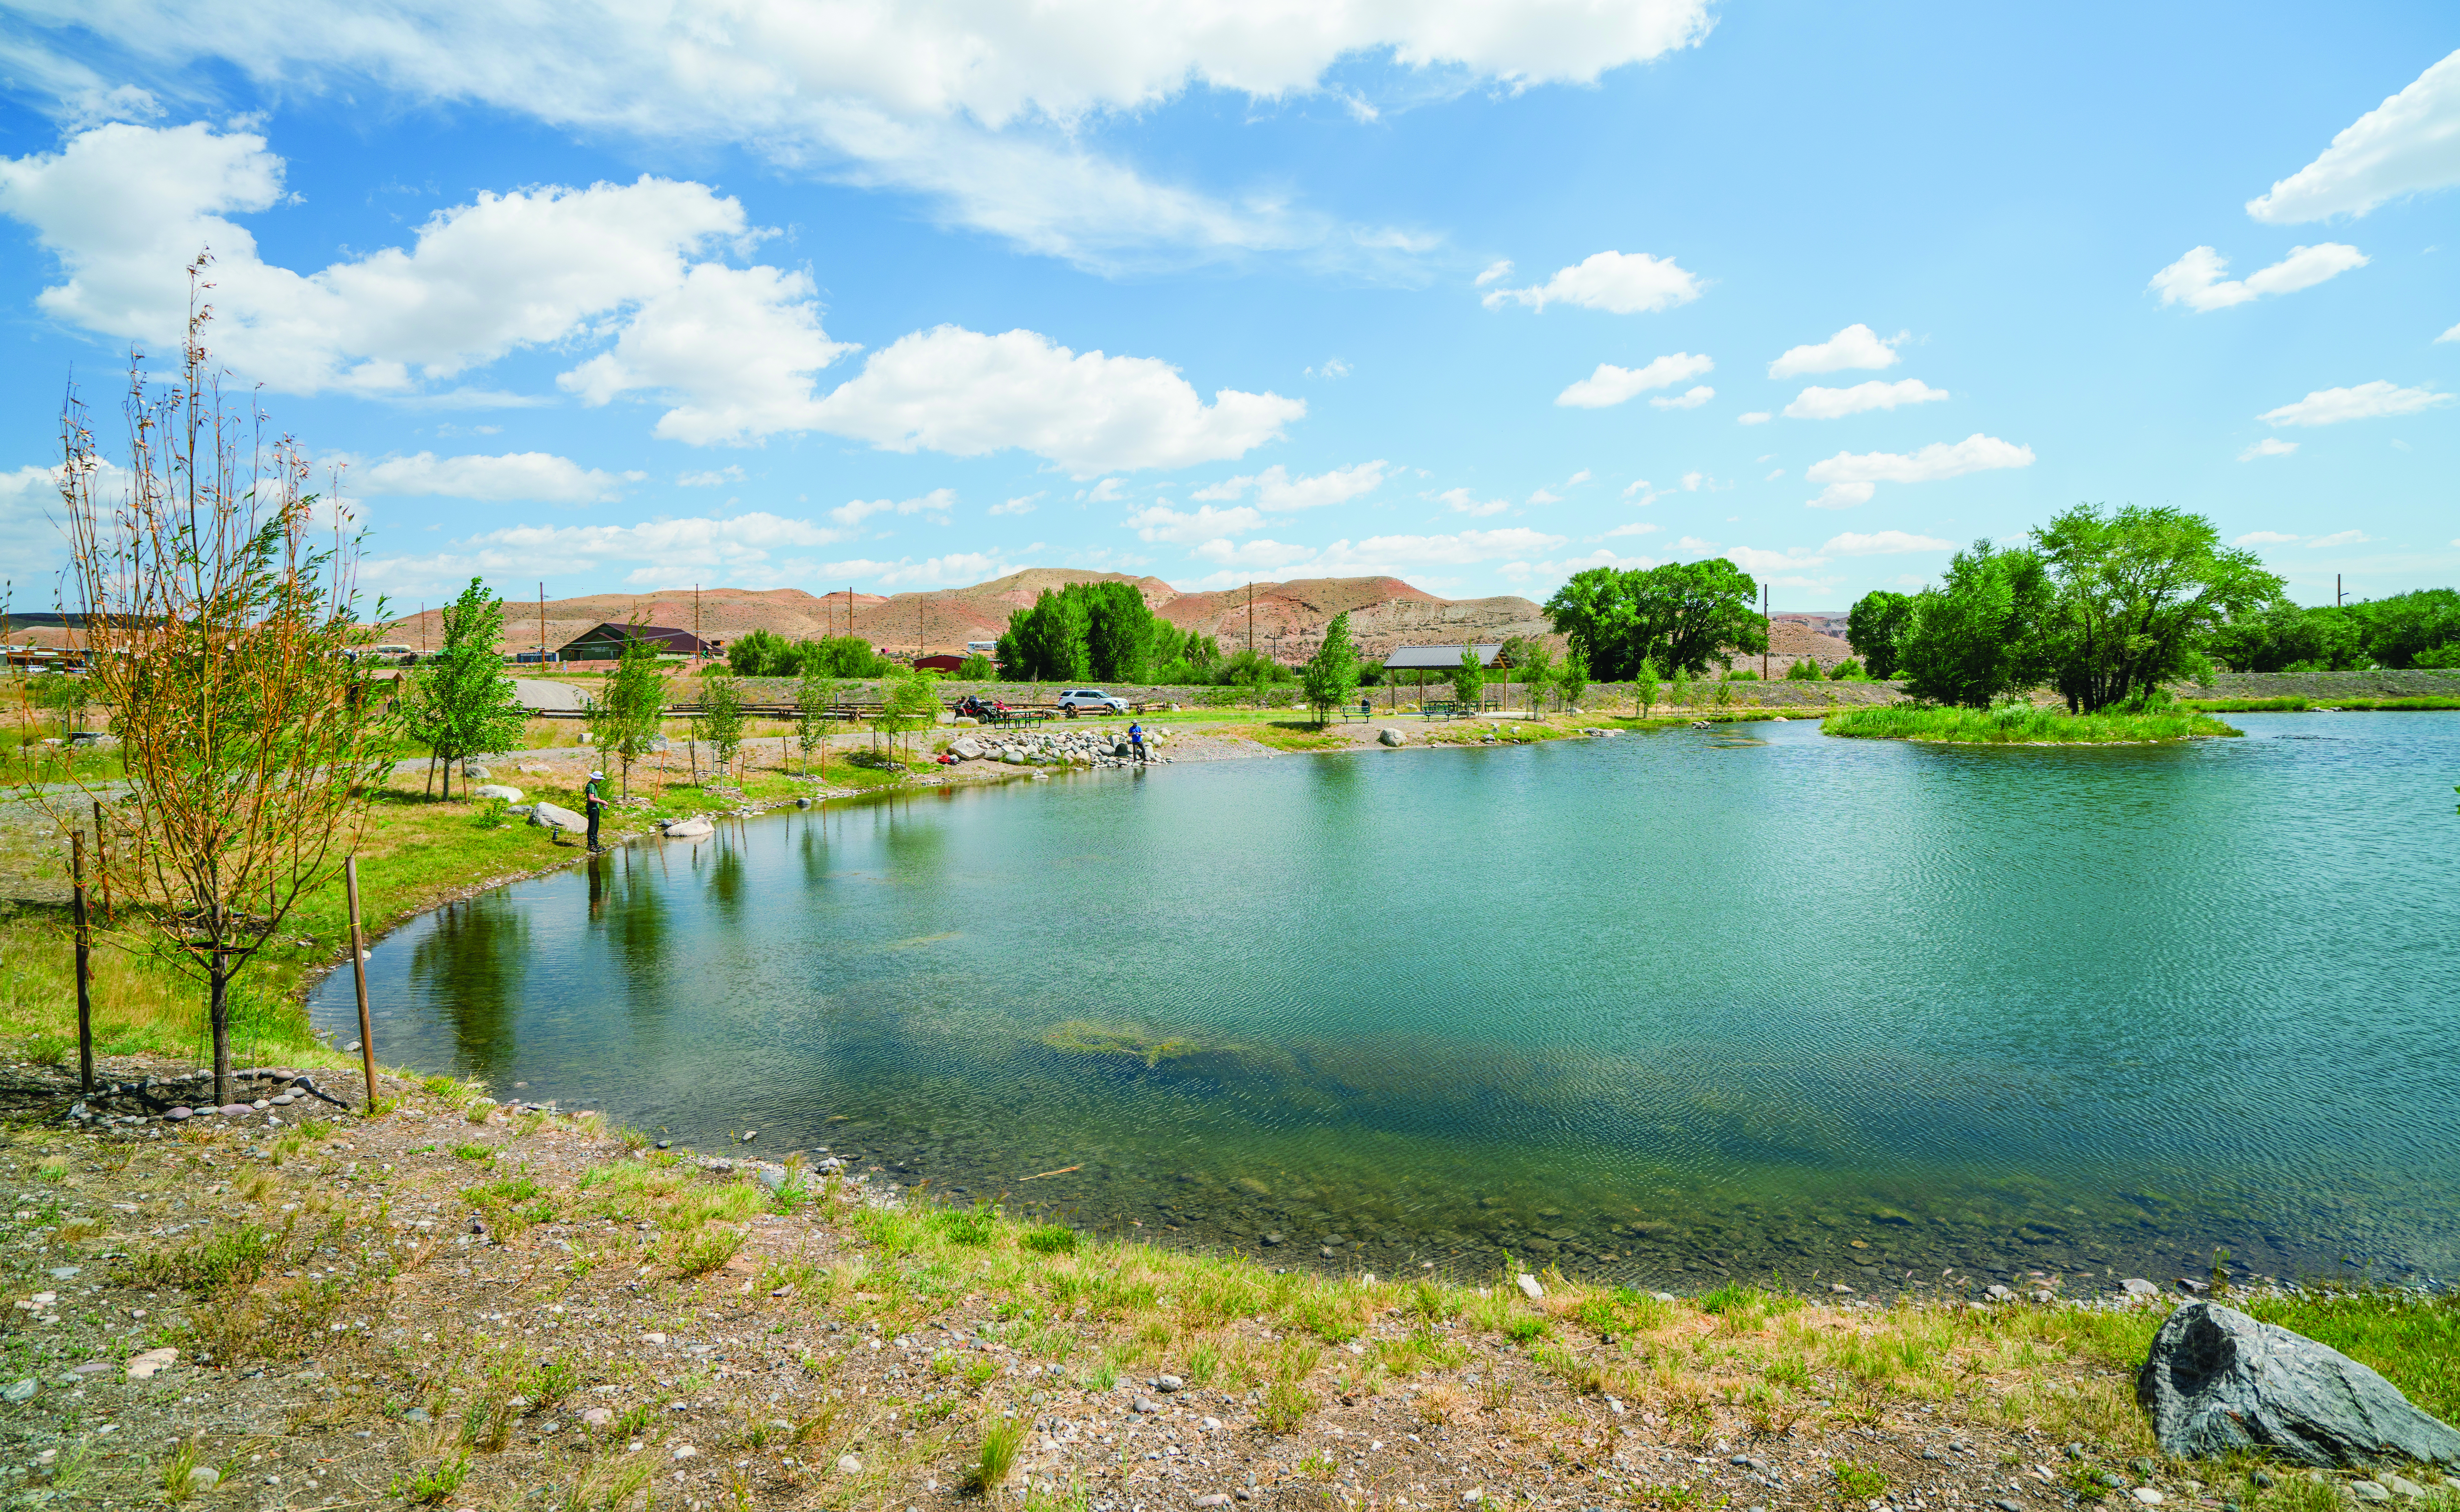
{"type": "Point", "coordinates": [1670, 1008]}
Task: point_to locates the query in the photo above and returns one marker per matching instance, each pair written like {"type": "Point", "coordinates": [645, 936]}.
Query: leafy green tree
{"type": "Point", "coordinates": [1982, 632]}
{"type": "Point", "coordinates": [977, 667]}
{"type": "Point", "coordinates": [1873, 628]}
{"type": "Point", "coordinates": [1534, 660]}
{"type": "Point", "coordinates": [1088, 632]}
{"type": "Point", "coordinates": [461, 704]}
{"type": "Point", "coordinates": [1255, 671]}
{"type": "Point", "coordinates": [1848, 671]}
{"type": "Point", "coordinates": [2409, 628]}
{"type": "Point", "coordinates": [1682, 615]}
{"type": "Point", "coordinates": [2137, 591]}
{"type": "Point", "coordinates": [814, 697]}
{"type": "Point", "coordinates": [2282, 635]}
{"type": "Point", "coordinates": [1679, 692]}
{"type": "Point", "coordinates": [1644, 686]}
{"type": "Point", "coordinates": [721, 718]}
{"type": "Point", "coordinates": [841, 656]}
{"type": "Point", "coordinates": [623, 720]}
{"type": "Point", "coordinates": [909, 701]}
{"type": "Point", "coordinates": [1331, 674]}
{"type": "Point", "coordinates": [1469, 683]}
{"type": "Point", "coordinates": [1571, 680]}
{"type": "Point", "coordinates": [761, 654]}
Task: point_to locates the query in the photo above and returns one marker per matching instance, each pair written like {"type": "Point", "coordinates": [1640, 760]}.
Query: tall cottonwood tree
{"type": "Point", "coordinates": [218, 593]}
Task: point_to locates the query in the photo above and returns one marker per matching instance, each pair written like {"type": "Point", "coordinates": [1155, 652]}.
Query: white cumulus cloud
{"type": "Point", "coordinates": [1752, 558]}
{"type": "Point", "coordinates": [1461, 502]}
{"type": "Point", "coordinates": [1022, 505]}
{"type": "Point", "coordinates": [935, 505]}
{"type": "Point", "coordinates": [1688, 399]}
{"type": "Point", "coordinates": [1382, 554]}
{"type": "Point", "coordinates": [739, 345]}
{"type": "Point", "coordinates": [2454, 334]}
{"type": "Point", "coordinates": [1162, 522]}
{"type": "Point", "coordinates": [984, 110]}
{"type": "Point", "coordinates": [123, 208]}
{"type": "Point", "coordinates": [1611, 384]}
{"type": "Point", "coordinates": [1857, 345]}
{"type": "Point", "coordinates": [2264, 538]}
{"type": "Point", "coordinates": [713, 478]}
{"type": "Point", "coordinates": [1831, 404]}
{"type": "Point", "coordinates": [2407, 144]}
{"type": "Point", "coordinates": [1619, 282]}
{"type": "Point", "coordinates": [2368, 401]}
{"type": "Point", "coordinates": [2269, 446]}
{"type": "Point", "coordinates": [2340, 538]}
{"type": "Point", "coordinates": [1753, 417]}
{"type": "Point", "coordinates": [741, 549]}
{"type": "Point", "coordinates": [1882, 543]}
{"type": "Point", "coordinates": [1276, 491]}
{"type": "Point", "coordinates": [2196, 279]}
{"type": "Point", "coordinates": [1494, 272]}
{"type": "Point", "coordinates": [1850, 478]}
{"type": "Point", "coordinates": [966, 393]}
{"type": "Point", "coordinates": [534, 477]}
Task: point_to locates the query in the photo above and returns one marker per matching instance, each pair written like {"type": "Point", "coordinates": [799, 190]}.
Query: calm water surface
{"type": "Point", "coordinates": [1670, 1007]}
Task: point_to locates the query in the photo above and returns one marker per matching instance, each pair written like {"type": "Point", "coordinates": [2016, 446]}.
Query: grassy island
{"type": "Point", "coordinates": [2021, 726]}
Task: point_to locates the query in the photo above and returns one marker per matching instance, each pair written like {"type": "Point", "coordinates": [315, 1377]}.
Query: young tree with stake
{"type": "Point", "coordinates": [220, 593]}
{"type": "Point", "coordinates": [461, 704]}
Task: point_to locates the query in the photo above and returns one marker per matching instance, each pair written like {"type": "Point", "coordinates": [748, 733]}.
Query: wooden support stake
{"type": "Point", "coordinates": [102, 861]}
{"type": "Point", "coordinates": [84, 969]}
{"type": "Point", "coordinates": [359, 974]}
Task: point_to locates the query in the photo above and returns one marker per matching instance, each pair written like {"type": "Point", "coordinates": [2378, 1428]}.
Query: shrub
{"type": "Point", "coordinates": [998, 1457]}
{"type": "Point", "coordinates": [1848, 671]}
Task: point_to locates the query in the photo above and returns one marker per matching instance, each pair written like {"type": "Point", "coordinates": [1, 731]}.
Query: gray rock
{"type": "Point", "coordinates": [1146, 1404]}
{"type": "Point", "coordinates": [205, 1478]}
{"type": "Point", "coordinates": [21, 1391]}
{"type": "Point", "coordinates": [1390, 736]}
{"type": "Point", "coordinates": [2401, 1485]}
{"type": "Point", "coordinates": [696, 827]}
{"type": "Point", "coordinates": [2139, 1287]}
{"type": "Point", "coordinates": [553, 816]}
{"type": "Point", "coordinates": [965, 747]}
{"type": "Point", "coordinates": [474, 771]}
{"type": "Point", "coordinates": [2217, 1381]}
{"type": "Point", "coordinates": [2368, 1491]}
{"type": "Point", "coordinates": [510, 795]}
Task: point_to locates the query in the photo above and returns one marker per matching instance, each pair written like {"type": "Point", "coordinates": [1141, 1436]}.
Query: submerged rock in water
{"type": "Point", "coordinates": [2217, 1381]}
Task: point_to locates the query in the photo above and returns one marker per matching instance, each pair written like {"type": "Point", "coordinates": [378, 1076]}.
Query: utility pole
{"type": "Point", "coordinates": [1251, 616]}
{"type": "Point", "coordinates": [2337, 599]}
{"type": "Point", "coordinates": [541, 623]}
{"type": "Point", "coordinates": [696, 641]}
{"type": "Point", "coordinates": [1767, 625]}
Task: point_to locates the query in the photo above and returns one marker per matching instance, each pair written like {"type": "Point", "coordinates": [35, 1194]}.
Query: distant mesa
{"type": "Point", "coordinates": [1287, 618]}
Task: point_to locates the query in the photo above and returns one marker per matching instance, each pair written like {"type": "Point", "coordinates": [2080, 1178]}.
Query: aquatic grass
{"type": "Point", "coordinates": [1128, 1042]}
{"type": "Point", "coordinates": [2018, 725]}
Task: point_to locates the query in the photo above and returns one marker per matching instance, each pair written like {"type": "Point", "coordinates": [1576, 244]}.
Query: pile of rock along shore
{"type": "Point", "coordinates": [1083, 748]}
{"type": "Point", "coordinates": [176, 1099]}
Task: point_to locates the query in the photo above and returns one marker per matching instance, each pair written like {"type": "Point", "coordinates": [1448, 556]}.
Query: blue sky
{"type": "Point", "coordinates": [769, 294]}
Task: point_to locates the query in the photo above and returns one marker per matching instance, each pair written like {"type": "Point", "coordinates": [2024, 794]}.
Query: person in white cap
{"type": "Point", "coordinates": [593, 798]}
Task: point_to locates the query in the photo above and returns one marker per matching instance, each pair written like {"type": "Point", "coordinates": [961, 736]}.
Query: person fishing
{"type": "Point", "coordinates": [1136, 739]}
{"type": "Point", "coordinates": [593, 798]}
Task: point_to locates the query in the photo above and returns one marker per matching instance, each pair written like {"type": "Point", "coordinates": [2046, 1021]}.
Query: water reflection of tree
{"type": "Point", "coordinates": [726, 876]}
{"type": "Point", "coordinates": [473, 964]}
{"type": "Point", "coordinates": [634, 919]}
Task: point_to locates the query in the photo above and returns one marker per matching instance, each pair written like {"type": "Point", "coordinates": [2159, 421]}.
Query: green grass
{"type": "Point", "coordinates": [2421, 703]}
{"type": "Point", "coordinates": [2018, 725]}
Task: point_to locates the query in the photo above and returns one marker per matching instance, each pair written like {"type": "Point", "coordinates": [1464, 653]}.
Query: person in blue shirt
{"type": "Point", "coordinates": [1136, 739]}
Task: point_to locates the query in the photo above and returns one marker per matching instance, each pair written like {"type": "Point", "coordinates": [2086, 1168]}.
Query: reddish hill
{"type": "Point", "coordinates": [1287, 618]}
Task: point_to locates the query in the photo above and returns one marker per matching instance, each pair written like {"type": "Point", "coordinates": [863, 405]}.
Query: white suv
{"type": "Point", "coordinates": [1076, 700]}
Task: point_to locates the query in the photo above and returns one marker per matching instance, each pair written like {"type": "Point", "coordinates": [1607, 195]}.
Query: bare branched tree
{"type": "Point", "coordinates": [219, 594]}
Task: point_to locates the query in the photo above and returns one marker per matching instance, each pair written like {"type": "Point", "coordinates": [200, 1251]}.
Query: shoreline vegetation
{"type": "Point", "coordinates": [454, 1301]}
{"type": "Point", "coordinates": [2023, 724]}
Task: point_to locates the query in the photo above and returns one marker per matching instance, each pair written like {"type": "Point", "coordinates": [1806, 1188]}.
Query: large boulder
{"type": "Point", "coordinates": [696, 827]}
{"type": "Point", "coordinates": [556, 817]}
{"type": "Point", "coordinates": [965, 747]}
{"type": "Point", "coordinates": [1387, 735]}
{"type": "Point", "coordinates": [510, 795]}
{"type": "Point", "coordinates": [2219, 1380]}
